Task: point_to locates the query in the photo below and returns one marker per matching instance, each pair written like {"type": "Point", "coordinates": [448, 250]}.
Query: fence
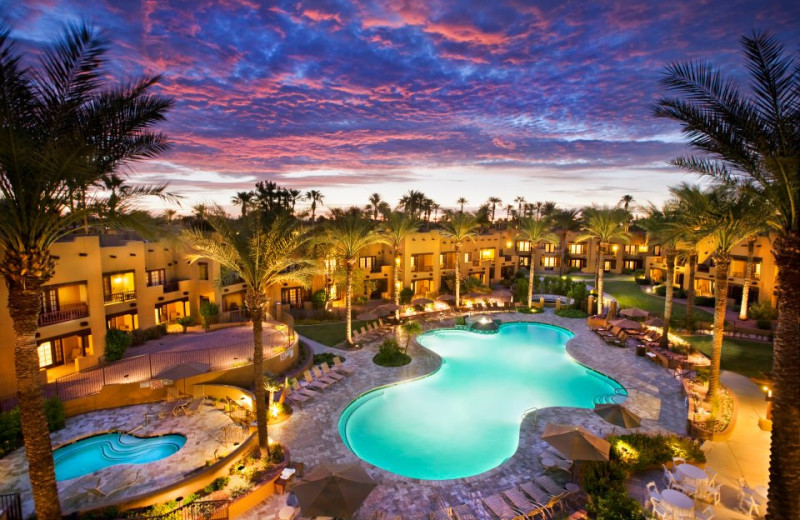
{"type": "Point", "coordinates": [149, 366]}
{"type": "Point", "coordinates": [11, 507]}
{"type": "Point", "coordinates": [200, 510]}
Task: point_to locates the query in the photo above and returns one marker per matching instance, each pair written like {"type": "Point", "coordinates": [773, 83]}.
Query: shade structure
{"type": "Point", "coordinates": [446, 297]}
{"type": "Point", "coordinates": [502, 294]}
{"type": "Point", "coordinates": [422, 301]}
{"type": "Point", "coordinates": [391, 307]}
{"type": "Point", "coordinates": [617, 415]}
{"type": "Point", "coordinates": [634, 312]}
{"type": "Point", "coordinates": [473, 295]}
{"type": "Point", "coordinates": [183, 371]}
{"type": "Point", "coordinates": [626, 324]}
{"type": "Point", "coordinates": [575, 442]}
{"type": "Point", "coordinates": [655, 322]}
{"type": "Point", "coordinates": [367, 316]}
{"type": "Point", "coordinates": [336, 490]}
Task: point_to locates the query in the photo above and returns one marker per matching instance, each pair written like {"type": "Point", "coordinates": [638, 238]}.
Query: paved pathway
{"type": "Point", "coordinates": [312, 433]}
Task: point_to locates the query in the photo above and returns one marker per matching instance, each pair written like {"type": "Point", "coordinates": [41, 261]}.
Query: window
{"type": "Point", "coordinates": [656, 250]}
{"type": "Point", "coordinates": [421, 287]}
{"type": "Point", "coordinates": [294, 296]}
{"type": "Point", "coordinates": [608, 265]}
{"type": "Point", "coordinates": [631, 264]}
{"type": "Point", "coordinates": [548, 261]}
{"type": "Point", "coordinates": [124, 321]}
{"type": "Point", "coordinates": [422, 263]}
{"type": "Point", "coordinates": [631, 250]}
{"type": "Point", "coordinates": [487, 254]}
{"type": "Point", "coordinates": [524, 261]}
{"type": "Point", "coordinates": [447, 260]}
{"type": "Point", "coordinates": [523, 246]}
{"type": "Point", "coordinates": [367, 263]}
{"type": "Point", "coordinates": [467, 258]}
{"type": "Point", "coordinates": [578, 263]}
{"type": "Point", "coordinates": [549, 248]}
{"type": "Point", "coordinates": [202, 269]}
{"type": "Point", "coordinates": [156, 277]}
{"type": "Point", "coordinates": [119, 287]}
{"type": "Point", "coordinates": [50, 300]}
{"type": "Point", "coordinates": [577, 249]}
{"type": "Point", "coordinates": [51, 353]}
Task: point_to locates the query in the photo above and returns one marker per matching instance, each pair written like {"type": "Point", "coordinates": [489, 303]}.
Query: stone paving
{"type": "Point", "coordinates": [312, 433]}
{"type": "Point", "coordinates": [204, 438]}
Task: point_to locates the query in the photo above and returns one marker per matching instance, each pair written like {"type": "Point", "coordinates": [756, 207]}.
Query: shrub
{"type": "Point", "coordinates": [406, 293]}
{"type": "Point", "coordinates": [54, 410]}
{"type": "Point", "coordinates": [529, 310]}
{"type": "Point", "coordinates": [578, 293]}
{"type": "Point", "coordinates": [677, 292]}
{"type": "Point", "coordinates": [276, 454]}
{"type": "Point", "coordinates": [319, 299]}
{"type": "Point", "coordinates": [209, 314]}
{"type": "Point", "coordinates": [616, 505]}
{"type": "Point", "coordinates": [185, 322]}
{"type": "Point", "coordinates": [390, 355]}
{"type": "Point", "coordinates": [704, 301]}
{"type": "Point", "coordinates": [762, 311]}
{"type": "Point", "coordinates": [637, 451]}
{"type": "Point", "coordinates": [764, 324]}
{"type": "Point", "coordinates": [361, 300]}
{"type": "Point", "coordinates": [216, 485]}
{"type": "Point", "coordinates": [117, 342]}
{"type": "Point", "coordinates": [11, 428]}
{"type": "Point", "coordinates": [461, 320]}
{"type": "Point", "coordinates": [569, 312]}
{"type": "Point", "coordinates": [326, 357]}
{"type": "Point", "coordinates": [139, 336]}
{"type": "Point", "coordinates": [642, 281]}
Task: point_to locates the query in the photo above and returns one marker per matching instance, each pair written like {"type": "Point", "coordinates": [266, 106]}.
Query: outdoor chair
{"type": "Point", "coordinates": [339, 367]}
{"type": "Point", "coordinates": [500, 508]}
{"type": "Point", "coordinates": [525, 506]}
{"type": "Point", "coordinates": [536, 493]}
{"type": "Point", "coordinates": [173, 408]}
{"type": "Point", "coordinates": [705, 514]}
{"type": "Point", "coordinates": [463, 512]}
{"type": "Point", "coordinates": [659, 511]}
{"type": "Point", "coordinates": [297, 388]}
{"type": "Point", "coordinates": [193, 406]}
{"type": "Point", "coordinates": [296, 397]}
{"type": "Point", "coordinates": [310, 381]}
{"type": "Point", "coordinates": [550, 485]}
{"type": "Point", "coordinates": [669, 477]}
{"type": "Point", "coordinates": [319, 376]}
{"type": "Point", "coordinates": [440, 514]}
{"type": "Point", "coordinates": [557, 463]}
{"type": "Point", "coordinates": [326, 369]}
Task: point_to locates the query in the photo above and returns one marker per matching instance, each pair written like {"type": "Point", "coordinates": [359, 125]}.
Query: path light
{"type": "Point", "coordinates": [485, 319]}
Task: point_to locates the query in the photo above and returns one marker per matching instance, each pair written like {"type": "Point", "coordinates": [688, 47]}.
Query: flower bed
{"type": "Point", "coordinates": [714, 421]}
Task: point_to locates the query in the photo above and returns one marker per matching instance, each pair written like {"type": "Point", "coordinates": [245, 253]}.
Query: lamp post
{"type": "Point", "coordinates": [765, 423]}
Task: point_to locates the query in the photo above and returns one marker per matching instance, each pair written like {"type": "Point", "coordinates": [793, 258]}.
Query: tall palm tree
{"type": "Point", "coordinates": [753, 140]}
{"type": "Point", "coordinates": [314, 197]}
{"type": "Point", "coordinates": [261, 257]}
{"type": "Point", "coordinates": [565, 220]}
{"type": "Point", "coordinates": [493, 202]}
{"type": "Point", "coordinates": [347, 234]}
{"type": "Point", "coordinates": [169, 214]}
{"type": "Point", "coordinates": [292, 196]}
{"type": "Point", "coordinates": [374, 204]}
{"type": "Point", "coordinates": [460, 227]}
{"type": "Point", "coordinates": [244, 199]}
{"type": "Point", "coordinates": [662, 225]}
{"type": "Point", "coordinates": [603, 224]}
{"type": "Point", "coordinates": [536, 230]}
{"type": "Point", "coordinates": [691, 236]}
{"type": "Point", "coordinates": [461, 201]}
{"type": "Point", "coordinates": [520, 200]}
{"type": "Point", "coordinates": [625, 203]}
{"type": "Point", "coordinates": [397, 227]}
{"type": "Point", "coordinates": [62, 125]}
{"type": "Point", "coordinates": [413, 202]}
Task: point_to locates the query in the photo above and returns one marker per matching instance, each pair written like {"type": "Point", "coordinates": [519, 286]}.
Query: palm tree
{"type": "Point", "coordinates": [243, 198]}
{"type": "Point", "coordinates": [460, 227]}
{"type": "Point", "coordinates": [398, 226]}
{"type": "Point", "coordinates": [752, 139]}
{"type": "Point", "coordinates": [509, 212]}
{"type": "Point", "coordinates": [169, 214]}
{"type": "Point", "coordinates": [494, 201]}
{"type": "Point", "coordinates": [413, 202]}
{"type": "Point", "coordinates": [603, 224]}
{"type": "Point", "coordinates": [461, 201]}
{"type": "Point", "coordinates": [536, 230]}
{"type": "Point", "coordinates": [565, 220]}
{"type": "Point", "coordinates": [347, 234]}
{"type": "Point", "coordinates": [625, 203]}
{"type": "Point", "coordinates": [662, 225]}
{"type": "Point", "coordinates": [520, 200]}
{"type": "Point", "coordinates": [411, 328]}
{"type": "Point", "coordinates": [63, 126]}
{"type": "Point", "coordinates": [314, 197]}
{"type": "Point", "coordinates": [374, 204]}
{"type": "Point", "coordinates": [261, 257]}
{"type": "Point", "coordinates": [292, 196]}
{"type": "Point", "coordinates": [691, 236]}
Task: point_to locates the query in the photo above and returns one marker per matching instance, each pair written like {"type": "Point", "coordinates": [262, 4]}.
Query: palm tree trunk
{"type": "Point", "coordinates": [784, 469]}
{"type": "Point", "coordinates": [23, 306]}
{"type": "Point", "coordinates": [689, 320]}
{"type": "Point", "coordinates": [748, 279]}
{"type": "Point", "coordinates": [723, 263]}
{"type": "Point", "coordinates": [670, 254]}
{"type": "Point", "coordinates": [257, 316]}
{"type": "Point", "coordinates": [531, 278]}
{"type": "Point", "coordinates": [599, 285]}
{"type": "Point", "coordinates": [395, 277]}
{"type": "Point", "coordinates": [457, 246]}
{"type": "Point", "coordinates": [349, 302]}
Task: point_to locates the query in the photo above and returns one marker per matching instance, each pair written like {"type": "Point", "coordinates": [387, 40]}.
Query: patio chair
{"type": "Point", "coordinates": [296, 397]}
{"type": "Point", "coordinates": [339, 367]}
{"type": "Point", "coordinates": [669, 477]}
{"type": "Point", "coordinates": [705, 514]}
{"type": "Point", "coordinates": [500, 508]}
{"type": "Point", "coordinates": [328, 372]}
{"type": "Point", "coordinates": [319, 376]}
{"type": "Point", "coordinates": [463, 512]}
{"type": "Point", "coordinates": [524, 505]}
{"type": "Point", "coordinates": [297, 388]}
{"type": "Point", "coordinates": [654, 495]}
{"type": "Point", "coordinates": [659, 511]}
{"type": "Point", "coordinates": [173, 408]}
{"type": "Point", "coordinates": [440, 514]}
{"type": "Point", "coordinates": [549, 485]}
{"type": "Point", "coordinates": [193, 406]}
{"type": "Point", "coordinates": [536, 493]}
{"type": "Point", "coordinates": [310, 381]}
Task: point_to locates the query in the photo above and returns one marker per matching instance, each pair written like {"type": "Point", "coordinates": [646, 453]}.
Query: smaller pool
{"type": "Point", "coordinates": [109, 449]}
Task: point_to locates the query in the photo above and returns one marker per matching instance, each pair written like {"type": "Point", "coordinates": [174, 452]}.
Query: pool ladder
{"type": "Point", "coordinates": [532, 410]}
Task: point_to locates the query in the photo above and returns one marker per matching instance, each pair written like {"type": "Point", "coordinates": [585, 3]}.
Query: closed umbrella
{"type": "Point", "coordinates": [336, 490]}
{"type": "Point", "coordinates": [626, 324]}
{"type": "Point", "coordinates": [502, 294]}
{"type": "Point", "coordinates": [655, 322]}
{"type": "Point", "coordinates": [634, 313]}
{"type": "Point", "coordinates": [575, 442]}
{"type": "Point", "coordinates": [422, 301]}
{"type": "Point", "coordinates": [617, 415]}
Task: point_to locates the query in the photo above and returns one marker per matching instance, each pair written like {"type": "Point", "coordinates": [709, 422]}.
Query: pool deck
{"type": "Point", "coordinates": [312, 434]}
{"type": "Point", "coordinates": [109, 485]}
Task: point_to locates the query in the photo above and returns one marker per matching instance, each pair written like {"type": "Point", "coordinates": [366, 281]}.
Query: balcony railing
{"type": "Point", "coordinates": [422, 269]}
{"type": "Point", "coordinates": [119, 297]}
{"type": "Point", "coordinates": [171, 286]}
{"type": "Point", "coordinates": [740, 274]}
{"type": "Point", "coordinates": [451, 265]}
{"type": "Point", "coordinates": [70, 311]}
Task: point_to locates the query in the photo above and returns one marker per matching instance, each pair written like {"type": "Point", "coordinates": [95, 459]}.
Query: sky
{"type": "Point", "coordinates": [505, 98]}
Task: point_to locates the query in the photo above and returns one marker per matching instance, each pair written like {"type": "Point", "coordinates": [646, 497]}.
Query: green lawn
{"type": "Point", "coordinates": [628, 294]}
{"type": "Point", "coordinates": [329, 334]}
{"type": "Point", "coordinates": [749, 358]}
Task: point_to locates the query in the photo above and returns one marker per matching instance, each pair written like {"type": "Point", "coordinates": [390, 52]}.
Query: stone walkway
{"type": "Point", "coordinates": [204, 438]}
{"type": "Point", "coordinates": [312, 433]}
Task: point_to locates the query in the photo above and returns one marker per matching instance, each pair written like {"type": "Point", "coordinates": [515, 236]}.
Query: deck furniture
{"type": "Point", "coordinates": [500, 508]}
{"type": "Point", "coordinates": [339, 367]}
{"type": "Point", "coordinates": [521, 503]}
{"type": "Point", "coordinates": [310, 381]}
{"type": "Point", "coordinates": [328, 372]}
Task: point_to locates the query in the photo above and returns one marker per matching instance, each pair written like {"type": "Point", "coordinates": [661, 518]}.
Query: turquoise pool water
{"type": "Point", "coordinates": [464, 419]}
{"type": "Point", "coordinates": [101, 451]}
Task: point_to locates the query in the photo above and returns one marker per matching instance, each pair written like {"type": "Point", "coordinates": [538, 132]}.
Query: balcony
{"type": "Point", "coordinates": [740, 274]}
{"type": "Point", "coordinates": [119, 297]}
{"type": "Point", "coordinates": [70, 311]}
{"type": "Point", "coordinates": [172, 286]}
{"type": "Point", "coordinates": [422, 269]}
{"type": "Point", "coordinates": [446, 266]}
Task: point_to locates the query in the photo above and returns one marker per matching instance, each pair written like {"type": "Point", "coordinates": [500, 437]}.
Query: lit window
{"type": "Point", "coordinates": [202, 268]}
{"type": "Point", "coordinates": [549, 248]}
{"type": "Point", "coordinates": [548, 261]}
{"type": "Point", "coordinates": [45, 351]}
{"type": "Point", "coordinates": [523, 246]}
{"type": "Point", "coordinates": [577, 249]}
{"type": "Point", "coordinates": [487, 254]}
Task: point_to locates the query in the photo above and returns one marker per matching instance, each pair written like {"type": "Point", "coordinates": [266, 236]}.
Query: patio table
{"type": "Point", "coordinates": [286, 513]}
{"type": "Point", "coordinates": [678, 503]}
{"type": "Point", "coordinates": [692, 472]}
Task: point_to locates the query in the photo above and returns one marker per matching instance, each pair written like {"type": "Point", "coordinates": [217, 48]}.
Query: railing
{"type": "Point", "coordinates": [447, 266]}
{"type": "Point", "coordinates": [200, 510]}
{"type": "Point", "coordinates": [70, 311]}
{"type": "Point", "coordinates": [11, 507]}
{"type": "Point", "coordinates": [172, 286]}
{"type": "Point", "coordinates": [119, 297]}
{"type": "Point", "coordinates": [422, 269]}
{"type": "Point", "coordinates": [234, 316]}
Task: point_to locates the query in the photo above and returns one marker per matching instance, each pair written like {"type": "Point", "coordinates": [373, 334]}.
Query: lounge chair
{"type": "Point", "coordinates": [500, 508]}
{"type": "Point", "coordinates": [536, 493]}
{"type": "Point", "coordinates": [326, 369]}
{"type": "Point", "coordinates": [173, 408]}
{"type": "Point", "coordinates": [440, 514]}
{"type": "Point", "coordinates": [556, 463]}
{"type": "Point", "coordinates": [193, 406]}
{"type": "Point", "coordinates": [304, 391]}
{"type": "Point", "coordinates": [319, 376]}
{"type": "Point", "coordinates": [310, 381]}
{"type": "Point", "coordinates": [463, 512]}
{"type": "Point", "coordinates": [550, 485]}
{"type": "Point", "coordinates": [296, 397]}
{"type": "Point", "coordinates": [524, 505]}
{"type": "Point", "coordinates": [339, 367]}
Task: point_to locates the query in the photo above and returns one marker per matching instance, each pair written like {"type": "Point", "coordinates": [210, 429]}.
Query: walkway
{"type": "Point", "coordinates": [312, 433]}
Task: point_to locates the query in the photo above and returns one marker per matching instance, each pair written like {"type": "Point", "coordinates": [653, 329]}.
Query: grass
{"type": "Point", "coordinates": [628, 294]}
{"type": "Point", "coordinates": [748, 358]}
{"type": "Point", "coordinates": [329, 334]}
{"type": "Point", "coordinates": [569, 312]}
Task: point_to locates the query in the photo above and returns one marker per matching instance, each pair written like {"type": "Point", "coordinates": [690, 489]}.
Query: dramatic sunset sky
{"type": "Point", "coordinates": [548, 100]}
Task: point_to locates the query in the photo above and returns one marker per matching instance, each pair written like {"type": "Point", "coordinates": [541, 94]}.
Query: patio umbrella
{"type": "Point", "coordinates": [380, 312]}
{"type": "Point", "coordinates": [182, 371]}
{"type": "Point", "coordinates": [654, 322]}
{"type": "Point", "coordinates": [626, 324]}
{"type": "Point", "coordinates": [336, 490]}
{"type": "Point", "coordinates": [502, 294]}
{"type": "Point", "coordinates": [634, 313]}
{"type": "Point", "coordinates": [617, 415]}
{"type": "Point", "coordinates": [575, 442]}
{"type": "Point", "coordinates": [367, 316]}
{"type": "Point", "coordinates": [390, 307]}
{"type": "Point", "coordinates": [422, 301]}
{"type": "Point", "coordinates": [446, 297]}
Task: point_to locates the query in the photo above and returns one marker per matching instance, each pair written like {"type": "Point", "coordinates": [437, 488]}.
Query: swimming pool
{"type": "Point", "coordinates": [108, 449]}
{"type": "Point", "coordinates": [464, 419]}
